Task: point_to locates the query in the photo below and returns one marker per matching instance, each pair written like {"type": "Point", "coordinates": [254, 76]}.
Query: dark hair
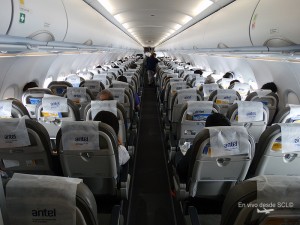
{"type": "Point", "coordinates": [133, 66]}
{"type": "Point", "coordinates": [31, 84]}
{"type": "Point", "coordinates": [109, 118]}
{"type": "Point", "coordinates": [106, 95]}
{"type": "Point", "coordinates": [217, 119]}
{"type": "Point", "coordinates": [122, 78]}
{"type": "Point", "coordinates": [228, 75]}
{"type": "Point", "coordinates": [270, 86]}
{"type": "Point", "coordinates": [234, 81]}
{"type": "Point", "coordinates": [198, 72]}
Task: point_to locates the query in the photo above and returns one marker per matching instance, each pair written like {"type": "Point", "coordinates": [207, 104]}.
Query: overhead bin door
{"type": "Point", "coordinates": [229, 27]}
{"type": "Point", "coordinates": [275, 23]}
{"type": "Point", "coordinates": [41, 20]}
{"type": "Point", "coordinates": [5, 16]}
{"type": "Point", "coordinates": [85, 25]}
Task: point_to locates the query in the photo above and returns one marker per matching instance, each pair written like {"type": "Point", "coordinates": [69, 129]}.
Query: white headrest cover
{"type": "Point", "coordinates": [226, 96]}
{"type": "Point", "coordinates": [40, 199]}
{"type": "Point", "coordinates": [13, 133]}
{"type": "Point", "coordinates": [294, 110]}
{"type": "Point", "coordinates": [185, 95]}
{"type": "Point", "coordinates": [77, 94]}
{"type": "Point", "coordinates": [54, 104]}
{"type": "Point", "coordinates": [250, 111]}
{"type": "Point", "coordinates": [262, 92]}
{"type": "Point", "coordinates": [74, 80]}
{"type": "Point", "coordinates": [174, 80]}
{"type": "Point", "coordinates": [178, 86]}
{"type": "Point", "coordinates": [118, 93]}
{"type": "Point", "coordinates": [290, 137]}
{"type": "Point", "coordinates": [94, 85]}
{"type": "Point", "coordinates": [199, 81]}
{"type": "Point", "coordinates": [107, 105]}
{"type": "Point", "coordinates": [80, 135]}
{"type": "Point", "coordinates": [226, 82]}
{"type": "Point", "coordinates": [241, 88]}
{"type": "Point", "coordinates": [120, 84]}
{"type": "Point", "coordinates": [226, 141]}
{"type": "Point", "coordinates": [200, 109]}
{"type": "Point", "coordinates": [278, 191]}
{"type": "Point", "coordinates": [5, 108]}
{"type": "Point", "coordinates": [209, 88]}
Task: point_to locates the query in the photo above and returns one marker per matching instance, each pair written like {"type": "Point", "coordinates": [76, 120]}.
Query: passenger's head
{"type": "Point", "coordinates": [234, 81]}
{"type": "Point", "coordinates": [133, 66]}
{"type": "Point", "coordinates": [31, 84]}
{"type": "Point", "coordinates": [198, 72]}
{"type": "Point", "coordinates": [228, 75]}
{"type": "Point", "coordinates": [209, 80]}
{"type": "Point", "coordinates": [106, 95]}
{"type": "Point", "coordinates": [122, 78]}
{"type": "Point", "coordinates": [270, 86]}
{"type": "Point", "coordinates": [109, 118]}
{"type": "Point", "coordinates": [217, 119]}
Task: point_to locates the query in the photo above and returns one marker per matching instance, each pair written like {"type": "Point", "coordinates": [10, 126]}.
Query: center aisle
{"type": "Point", "coordinates": [151, 202]}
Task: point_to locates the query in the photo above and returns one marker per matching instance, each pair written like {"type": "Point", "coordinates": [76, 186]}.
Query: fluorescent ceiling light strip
{"type": "Point", "coordinates": [204, 4]}
{"type": "Point", "coordinates": [106, 4]}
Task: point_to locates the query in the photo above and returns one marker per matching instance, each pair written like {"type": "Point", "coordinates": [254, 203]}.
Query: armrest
{"type": "Point", "coordinates": [116, 215]}
{"type": "Point", "coordinates": [193, 216]}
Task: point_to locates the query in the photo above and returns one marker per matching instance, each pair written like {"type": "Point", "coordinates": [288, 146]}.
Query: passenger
{"type": "Point", "coordinates": [137, 100]}
{"type": "Point", "coordinates": [151, 68]}
{"type": "Point", "coordinates": [110, 119]}
{"type": "Point", "coordinates": [181, 161]}
{"type": "Point", "coordinates": [133, 66]}
{"type": "Point", "coordinates": [233, 81]}
{"type": "Point", "coordinates": [31, 84]}
{"type": "Point", "coordinates": [198, 72]}
{"type": "Point", "coordinates": [228, 75]}
{"type": "Point", "coordinates": [209, 80]}
{"type": "Point", "coordinates": [270, 86]}
{"type": "Point", "coordinates": [105, 95]}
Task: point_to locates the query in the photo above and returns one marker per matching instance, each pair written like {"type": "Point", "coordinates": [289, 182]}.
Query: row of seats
{"type": "Point", "coordinates": [222, 157]}
{"type": "Point", "coordinates": [187, 125]}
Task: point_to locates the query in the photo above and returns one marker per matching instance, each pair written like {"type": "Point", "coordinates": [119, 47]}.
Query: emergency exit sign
{"type": "Point", "coordinates": [22, 18]}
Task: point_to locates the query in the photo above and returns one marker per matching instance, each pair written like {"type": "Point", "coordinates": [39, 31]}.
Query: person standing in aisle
{"type": "Point", "coordinates": [151, 68]}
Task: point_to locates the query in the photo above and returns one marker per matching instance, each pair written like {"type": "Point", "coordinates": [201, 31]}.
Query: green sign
{"type": "Point", "coordinates": [22, 18]}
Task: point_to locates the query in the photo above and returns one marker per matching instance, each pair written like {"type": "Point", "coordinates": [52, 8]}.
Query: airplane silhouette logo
{"type": "Point", "coordinates": [266, 211]}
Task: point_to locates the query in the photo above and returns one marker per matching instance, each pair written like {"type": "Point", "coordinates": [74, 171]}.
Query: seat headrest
{"type": "Point", "coordinates": [118, 93]}
{"type": "Point", "coordinates": [185, 95]}
{"type": "Point", "coordinates": [250, 111]}
{"type": "Point", "coordinates": [107, 105]}
{"type": "Point", "coordinates": [229, 140]}
{"type": "Point", "coordinates": [13, 133]}
{"type": "Point", "coordinates": [209, 88]}
{"type": "Point", "coordinates": [39, 198]}
{"type": "Point", "coordinates": [199, 111]}
{"type": "Point", "coordinates": [290, 138]}
{"type": "Point", "coordinates": [5, 108]}
{"type": "Point", "coordinates": [80, 135]}
{"type": "Point", "coordinates": [271, 190]}
{"type": "Point", "coordinates": [226, 96]}
{"type": "Point", "coordinates": [78, 94]}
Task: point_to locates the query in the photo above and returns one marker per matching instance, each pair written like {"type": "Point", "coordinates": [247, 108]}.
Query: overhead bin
{"type": "Point", "coordinates": [87, 26]}
{"type": "Point", "coordinates": [39, 20]}
{"type": "Point", "coordinates": [276, 23]}
{"type": "Point", "coordinates": [5, 16]}
{"type": "Point", "coordinates": [229, 27]}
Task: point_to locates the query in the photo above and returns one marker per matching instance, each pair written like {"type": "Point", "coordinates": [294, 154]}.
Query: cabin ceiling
{"type": "Point", "coordinates": [150, 22]}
